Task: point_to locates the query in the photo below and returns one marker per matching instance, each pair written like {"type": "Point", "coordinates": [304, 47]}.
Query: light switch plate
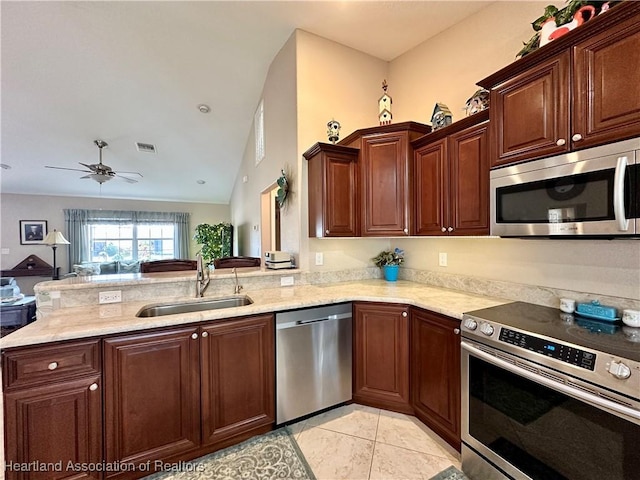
{"type": "Point", "coordinates": [286, 281]}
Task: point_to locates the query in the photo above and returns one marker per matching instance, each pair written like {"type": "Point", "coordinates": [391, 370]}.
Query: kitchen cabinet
{"type": "Point", "coordinates": [452, 179]}
{"type": "Point", "coordinates": [53, 410]}
{"type": "Point", "coordinates": [381, 356]}
{"type": "Point", "coordinates": [578, 91]}
{"type": "Point", "coordinates": [385, 173]}
{"type": "Point", "coordinates": [435, 373]}
{"type": "Point", "coordinates": [333, 191]}
{"type": "Point", "coordinates": [183, 392]}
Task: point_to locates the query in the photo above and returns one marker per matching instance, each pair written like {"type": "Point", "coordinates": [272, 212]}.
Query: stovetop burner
{"type": "Point", "coordinates": [606, 337]}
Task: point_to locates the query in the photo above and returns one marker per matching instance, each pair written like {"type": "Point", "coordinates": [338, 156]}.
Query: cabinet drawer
{"type": "Point", "coordinates": [43, 364]}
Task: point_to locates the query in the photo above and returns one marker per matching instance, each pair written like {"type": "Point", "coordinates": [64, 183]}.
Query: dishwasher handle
{"type": "Point", "coordinates": [302, 323]}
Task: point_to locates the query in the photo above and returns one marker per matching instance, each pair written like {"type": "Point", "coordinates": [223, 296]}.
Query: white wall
{"type": "Point", "coordinates": [39, 207]}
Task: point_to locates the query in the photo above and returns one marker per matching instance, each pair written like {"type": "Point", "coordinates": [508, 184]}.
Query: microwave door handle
{"type": "Point", "coordinates": [618, 194]}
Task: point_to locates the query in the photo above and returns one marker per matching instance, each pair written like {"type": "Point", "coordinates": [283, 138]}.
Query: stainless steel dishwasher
{"type": "Point", "coordinates": [313, 357]}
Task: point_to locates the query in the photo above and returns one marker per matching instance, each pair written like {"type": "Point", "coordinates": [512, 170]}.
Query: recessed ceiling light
{"type": "Point", "coordinates": [4, 166]}
{"type": "Point", "coordinates": [204, 108]}
{"type": "Point", "coordinates": [200, 182]}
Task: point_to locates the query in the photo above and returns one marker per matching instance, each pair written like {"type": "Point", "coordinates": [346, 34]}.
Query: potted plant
{"type": "Point", "coordinates": [216, 240]}
{"type": "Point", "coordinates": [389, 261]}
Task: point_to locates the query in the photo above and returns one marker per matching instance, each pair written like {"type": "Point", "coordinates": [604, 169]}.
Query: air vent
{"type": "Point", "coordinates": [146, 147]}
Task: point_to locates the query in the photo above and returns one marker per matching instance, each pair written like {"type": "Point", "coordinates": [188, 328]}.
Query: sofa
{"type": "Point", "coordinates": [105, 268]}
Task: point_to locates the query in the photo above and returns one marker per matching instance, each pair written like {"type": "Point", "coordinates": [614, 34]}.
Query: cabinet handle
{"type": "Point", "coordinates": [444, 229]}
{"type": "Point", "coordinates": [326, 232]}
{"type": "Point", "coordinates": [194, 335]}
{"type": "Point", "coordinates": [561, 142]}
{"type": "Point", "coordinates": [205, 334]}
{"type": "Point", "coordinates": [450, 229]}
{"type": "Point", "coordinates": [456, 331]}
{"type": "Point", "coordinates": [577, 137]}
{"type": "Point", "coordinates": [52, 365]}
{"type": "Point", "coordinates": [406, 230]}
{"type": "Point", "coordinates": [93, 387]}
{"type": "Point", "coordinates": [404, 314]}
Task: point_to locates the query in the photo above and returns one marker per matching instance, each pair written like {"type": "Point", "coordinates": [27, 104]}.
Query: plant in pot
{"type": "Point", "coordinates": [216, 240]}
{"type": "Point", "coordinates": [389, 261]}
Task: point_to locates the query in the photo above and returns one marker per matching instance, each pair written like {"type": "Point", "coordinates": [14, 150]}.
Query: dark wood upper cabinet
{"type": "Point", "coordinates": [452, 179]}
{"type": "Point", "coordinates": [333, 191]}
{"type": "Point", "coordinates": [238, 377]}
{"type": "Point", "coordinates": [381, 356]}
{"type": "Point", "coordinates": [579, 91]}
{"type": "Point", "coordinates": [435, 373]}
{"type": "Point", "coordinates": [152, 395]}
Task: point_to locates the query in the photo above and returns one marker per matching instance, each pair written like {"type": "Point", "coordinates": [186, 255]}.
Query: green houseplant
{"type": "Point", "coordinates": [216, 240]}
{"type": "Point", "coordinates": [389, 261]}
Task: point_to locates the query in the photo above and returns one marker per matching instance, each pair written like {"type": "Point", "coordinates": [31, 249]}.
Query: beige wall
{"type": "Point", "coordinates": [39, 207]}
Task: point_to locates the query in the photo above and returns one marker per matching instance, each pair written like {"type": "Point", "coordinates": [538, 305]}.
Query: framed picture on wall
{"type": "Point", "coordinates": [32, 232]}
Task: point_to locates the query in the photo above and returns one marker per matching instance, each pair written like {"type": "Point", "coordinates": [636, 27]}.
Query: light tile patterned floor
{"type": "Point", "coordinates": [356, 442]}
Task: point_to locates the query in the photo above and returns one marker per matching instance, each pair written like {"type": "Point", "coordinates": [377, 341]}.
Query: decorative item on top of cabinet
{"type": "Point", "coordinates": [333, 131]}
{"type": "Point", "coordinates": [384, 106]}
{"type": "Point", "coordinates": [452, 179]}
{"type": "Point", "coordinates": [579, 91]}
{"type": "Point", "coordinates": [333, 191]}
{"type": "Point", "coordinates": [385, 177]}
{"type": "Point", "coordinates": [381, 356]}
{"type": "Point", "coordinates": [478, 102]}
{"type": "Point", "coordinates": [441, 116]}
{"type": "Point", "coordinates": [435, 373]}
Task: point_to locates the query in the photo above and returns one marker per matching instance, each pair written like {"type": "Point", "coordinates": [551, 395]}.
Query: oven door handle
{"type": "Point", "coordinates": [560, 387]}
{"type": "Point", "coordinates": [618, 194]}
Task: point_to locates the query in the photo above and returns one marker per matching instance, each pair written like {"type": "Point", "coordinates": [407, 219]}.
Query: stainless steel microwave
{"type": "Point", "coordinates": [593, 192]}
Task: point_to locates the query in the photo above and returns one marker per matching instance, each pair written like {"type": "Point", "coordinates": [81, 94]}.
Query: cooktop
{"type": "Point", "coordinates": [613, 338]}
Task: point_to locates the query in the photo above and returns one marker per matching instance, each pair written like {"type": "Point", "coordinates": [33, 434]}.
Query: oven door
{"type": "Point", "coordinates": [581, 193]}
{"type": "Point", "coordinates": [524, 421]}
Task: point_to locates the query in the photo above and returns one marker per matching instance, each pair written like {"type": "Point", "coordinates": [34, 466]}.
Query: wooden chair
{"type": "Point", "coordinates": [170, 265]}
{"type": "Point", "coordinates": [230, 262]}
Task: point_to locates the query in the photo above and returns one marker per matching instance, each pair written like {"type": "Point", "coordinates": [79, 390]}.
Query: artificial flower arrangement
{"type": "Point", "coordinates": [389, 257]}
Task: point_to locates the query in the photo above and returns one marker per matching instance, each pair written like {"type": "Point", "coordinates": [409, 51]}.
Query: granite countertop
{"type": "Point", "coordinates": [100, 320]}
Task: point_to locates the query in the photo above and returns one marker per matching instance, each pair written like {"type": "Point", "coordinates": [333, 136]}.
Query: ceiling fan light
{"type": "Point", "coordinates": [100, 178]}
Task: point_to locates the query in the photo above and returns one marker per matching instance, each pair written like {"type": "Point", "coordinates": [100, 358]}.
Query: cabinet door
{"type": "Point", "coordinates": [238, 377]}
{"type": "Point", "coordinates": [432, 188]}
{"type": "Point", "coordinates": [469, 182]}
{"type": "Point", "coordinates": [607, 85]}
{"type": "Point", "coordinates": [152, 407]}
{"type": "Point", "coordinates": [341, 200]}
{"type": "Point", "coordinates": [60, 424]}
{"type": "Point", "coordinates": [530, 113]}
{"type": "Point", "coordinates": [385, 184]}
{"type": "Point", "coordinates": [435, 373]}
{"type": "Point", "coordinates": [381, 356]}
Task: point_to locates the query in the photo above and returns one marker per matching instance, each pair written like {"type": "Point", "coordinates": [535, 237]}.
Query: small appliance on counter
{"type": "Point", "coordinates": [278, 260]}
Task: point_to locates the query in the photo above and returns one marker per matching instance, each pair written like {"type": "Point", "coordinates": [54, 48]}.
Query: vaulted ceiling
{"type": "Point", "coordinates": [127, 72]}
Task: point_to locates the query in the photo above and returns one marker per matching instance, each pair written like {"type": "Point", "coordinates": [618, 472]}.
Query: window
{"type": "Point", "coordinates": [258, 125]}
{"type": "Point", "coordinates": [128, 242]}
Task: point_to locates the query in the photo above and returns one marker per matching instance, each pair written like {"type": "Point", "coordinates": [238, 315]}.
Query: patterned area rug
{"type": "Point", "coordinates": [272, 456]}
{"type": "Point", "coordinates": [451, 473]}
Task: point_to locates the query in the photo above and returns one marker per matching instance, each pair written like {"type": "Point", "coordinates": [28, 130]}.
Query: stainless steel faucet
{"type": "Point", "coordinates": [237, 288]}
{"type": "Point", "coordinates": [202, 281]}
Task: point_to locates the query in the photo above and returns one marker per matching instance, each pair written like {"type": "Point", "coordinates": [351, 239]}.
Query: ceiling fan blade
{"type": "Point", "coordinates": [131, 173]}
{"type": "Point", "coordinates": [63, 168]}
{"type": "Point", "coordinates": [90, 167]}
{"type": "Point", "coordinates": [127, 179]}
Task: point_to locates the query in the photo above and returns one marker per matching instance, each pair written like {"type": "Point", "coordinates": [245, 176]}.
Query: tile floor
{"type": "Point", "coordinates": [356, 442]}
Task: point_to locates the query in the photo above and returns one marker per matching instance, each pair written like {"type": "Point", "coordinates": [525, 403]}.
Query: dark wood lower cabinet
{"type": "Point", "coordinates": [238, 372]}
{"type": "Point", "coordinates": [435, 373]}
{"type": "Point", "coordinates": [57, 426]}
{"type": "Point", "coordinates": [381, 356]}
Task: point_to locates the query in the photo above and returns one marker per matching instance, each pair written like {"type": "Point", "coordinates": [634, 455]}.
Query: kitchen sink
{"type": "Point", "coordinates": [195, 306]}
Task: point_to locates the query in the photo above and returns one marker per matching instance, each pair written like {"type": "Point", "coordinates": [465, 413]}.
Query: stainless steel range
{"type": "Point", "coordinates": [549, 396]}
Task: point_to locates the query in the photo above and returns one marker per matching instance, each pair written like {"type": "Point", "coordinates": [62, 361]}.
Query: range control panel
{"type": "Point", "coordinates": [559, 351]}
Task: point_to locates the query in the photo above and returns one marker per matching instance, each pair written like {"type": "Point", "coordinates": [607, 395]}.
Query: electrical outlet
{"type": "Point", "coordinates": [319, 258]}
{"type": "Point", "coordinates": [442, 259]}
{"type": "Point", "coordinates": [286, 281]}
{"type": "Point", "coordinates": [113, 296]}
{"type": "Point", "coordinates": [5, 251]}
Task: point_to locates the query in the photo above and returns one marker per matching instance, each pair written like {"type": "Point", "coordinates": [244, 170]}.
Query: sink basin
{"type": "Point", "coordinates": [195, 306]}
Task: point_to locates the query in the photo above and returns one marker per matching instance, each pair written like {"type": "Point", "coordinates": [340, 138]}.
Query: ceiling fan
{"type": "Point", "coordinates": [99, 171]}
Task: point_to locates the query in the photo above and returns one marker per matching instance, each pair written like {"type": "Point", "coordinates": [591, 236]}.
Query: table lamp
{"type": "Point", "coordinates": [53, 239]}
